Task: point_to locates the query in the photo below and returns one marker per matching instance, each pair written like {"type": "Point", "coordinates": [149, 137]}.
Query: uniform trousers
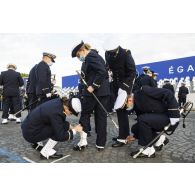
{"type": "Point", "coordinates": [182, 101]}
{"type": "Point", "coordinates": [89, 104]}
{"type": "Point", "coordinates": [148, 125]}
{"type": "Point", "coordinates": [31, 99]}
{"type": "Point", "coordinates": [123, 120]}
{"type": "Point", "coordinates": [8, 102]}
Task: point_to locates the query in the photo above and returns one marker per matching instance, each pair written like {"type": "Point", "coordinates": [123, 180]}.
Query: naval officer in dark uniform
{"type": "Point", "coordinates": [31, 88]}
{"type": "Point", "coordinates": [122, 65]}
{"type": "Point", "coordinates": [11, 82]}
{"type": "Point", "coordinates": [48, 121]}
{"type": "Point", "coordinates": [182, 94]}
{"type": "Point", "coordinates": [168, 86]}
{"type": "Point", "coordinates": [95, 74]}
{"type": "Point", "coordinates": [155, 109]}
{"type": "Point", "coordinates": [146, 78]}
{"type": "Point", "coordinates": [43, 77]}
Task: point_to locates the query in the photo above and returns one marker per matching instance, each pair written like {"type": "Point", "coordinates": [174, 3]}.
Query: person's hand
{"type": "Point", "coordinates": [90, 89]}
{"type": "Point", "coordinates": [78, 128]}
{"type": "Point", "coordinates": [173, 121]}
{"type": "Point", "coordinates": [48, 95]}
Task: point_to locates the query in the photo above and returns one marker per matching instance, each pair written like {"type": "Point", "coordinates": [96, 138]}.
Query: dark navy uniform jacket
{"type": "Point", "coordinates": [156, 100]}
{"type": "Point", "coordinates": [183, 91]}
{"type": "Point", "coordinates": [95, 74]}
{"type": "Point", "coordinates": [11, 81]}
{"type": "Point", "coordinates": [143, 80]}
{"type": "Point", "coordinates": [123, 67]}
{"type": "Point", "coordinates": [31, 83]}
{"type": "Point", "coordinates": [149, 81]}
{"type": "Point", "coordinates": [43, 79]}
{"type": "Point", "coordinates": [169, 86]}
{"type": "Point", "coordinates": [49, 114]}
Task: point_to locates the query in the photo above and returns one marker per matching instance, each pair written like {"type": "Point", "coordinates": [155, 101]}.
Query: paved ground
{"type": "Point", "coordinates": [181, 148]}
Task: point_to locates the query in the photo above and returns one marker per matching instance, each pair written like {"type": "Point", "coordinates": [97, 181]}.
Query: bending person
{"type": "Point", "coordinates": [48, 121]}
{"type": "Point", "coordinates": [155, 109]}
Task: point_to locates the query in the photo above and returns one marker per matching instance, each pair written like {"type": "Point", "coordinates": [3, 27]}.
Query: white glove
{"type": "Point", "coordinates": [173, 121]}
{"type": "Point", "coordinates": [48, 95]}
{"type": "Point", "coordinates": [53, 82]}
{"type": "Point", "coordinates": [74, 131]}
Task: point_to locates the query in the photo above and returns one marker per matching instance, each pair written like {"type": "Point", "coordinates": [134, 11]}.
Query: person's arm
{"type": "Point", "coordinates": [62, 129]}
{"type": "Point", "coordinates": [173, 89]}
{"type": "Point", "coordinates": [187, 91]}
{"type": "Point", "coordinates": [42, 74]}
{"type": "Point", "coordinates": [98, 66]}
{"type": "Point", "coordinates": [166, 97]}
{"type": "Point", "coordinates": [27, 84]}
{"type": "Point", "coordinates": [20, 80]}
{"type": "Point", "coordinates": [130, 73]}
{"type": "Point", "coordinates": [179, 93]}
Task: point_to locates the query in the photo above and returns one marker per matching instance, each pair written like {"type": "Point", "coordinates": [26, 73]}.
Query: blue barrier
{"type": "Point", "coordinates": [70, 81]}
{"type": "Point", "coordinates": [180, 67]}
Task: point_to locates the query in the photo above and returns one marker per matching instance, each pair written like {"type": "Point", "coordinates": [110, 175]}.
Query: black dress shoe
{"type": "Point", "coordinates": [12, 119]}
{"type": "Point", "coordinates": [141, 155]}
{"type": "Point", "coordinates": [99, 149]}
{"type": "Point", "coordinates": [129, 139]}
{"type": "Point", "coordinates": [79, 148]}
{"type": "Point", "coordinates": [54, 156]}
{"type": "Point", "coordinates": [37, 147]}
{"type": "Point", "coordinates": [159, 148]}
{"type": "Point", "coordinates": [117, 144]}
{"type": "Point", "coordinates": [114, 139]}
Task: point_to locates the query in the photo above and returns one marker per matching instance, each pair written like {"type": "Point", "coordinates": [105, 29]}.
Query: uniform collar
{"type": "Point", "coordinates": [44, 63]}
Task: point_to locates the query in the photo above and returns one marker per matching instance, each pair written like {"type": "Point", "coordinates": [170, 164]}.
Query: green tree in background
{"type": "Point", "coordinates": [24, 75]}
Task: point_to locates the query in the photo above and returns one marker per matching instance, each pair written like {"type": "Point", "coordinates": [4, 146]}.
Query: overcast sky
{"type": "Point", "coordinates": [25, 50]}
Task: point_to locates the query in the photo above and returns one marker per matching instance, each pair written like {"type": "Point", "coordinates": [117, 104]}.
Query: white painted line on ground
{"type": "Point", "coordinates": [28, 160]}
{"type": "Point", "coordinates": [60, 158]}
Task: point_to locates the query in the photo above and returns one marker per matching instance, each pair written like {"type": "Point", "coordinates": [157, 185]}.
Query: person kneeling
{"type": "Point", "coordinates": [48, 121]}
{"type": "Point", "coordinates": [155, 109]}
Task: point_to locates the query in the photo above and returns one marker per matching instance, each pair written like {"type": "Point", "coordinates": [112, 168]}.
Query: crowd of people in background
{"type": "Point", "coordinates": [114, 82]}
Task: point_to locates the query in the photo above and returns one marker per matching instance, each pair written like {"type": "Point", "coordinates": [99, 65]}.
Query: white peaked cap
{"type": "Point", "coordinates": [76, 105]}
{"type": "Point", "coordinates": [120, 100]}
